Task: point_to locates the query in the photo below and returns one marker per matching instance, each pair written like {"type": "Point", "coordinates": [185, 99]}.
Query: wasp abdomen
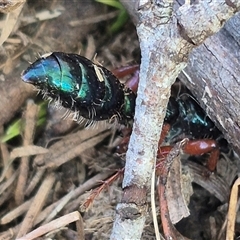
{"type": "Point", "coordinates": [82, 86]}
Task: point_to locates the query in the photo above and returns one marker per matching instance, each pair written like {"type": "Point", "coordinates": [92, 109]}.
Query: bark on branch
{"type": "Point", "coordinates": [167, 36]}
{"type": "Point", "coordinates": [212, 75]}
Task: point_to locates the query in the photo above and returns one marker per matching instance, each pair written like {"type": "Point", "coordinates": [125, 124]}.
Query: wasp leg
{"type": "Point", "coordinates": [202, 146]}
{"type": "Point", "coordinates": [195, 148]}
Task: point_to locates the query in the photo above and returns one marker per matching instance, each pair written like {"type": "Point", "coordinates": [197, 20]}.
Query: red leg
{"type": "Point", "coordinates": [195, 147]}
{"type": "Point", "coordinates": [132, 83]}
{"type": "Point", "coordinates": [124, 71]}
{"type": "Point", "coordinates": [199, 147]}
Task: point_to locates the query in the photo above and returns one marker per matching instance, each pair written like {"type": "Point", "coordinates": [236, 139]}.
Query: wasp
{"type": "Point", "coordinates": [95, 93]}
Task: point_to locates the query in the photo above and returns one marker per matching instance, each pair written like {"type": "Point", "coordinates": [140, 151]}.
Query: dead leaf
{"type": "Point", "coordinates": [179, 190]}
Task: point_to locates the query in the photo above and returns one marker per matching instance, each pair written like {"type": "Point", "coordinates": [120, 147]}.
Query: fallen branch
{"type": "Point", "coordinates": [167, 35]}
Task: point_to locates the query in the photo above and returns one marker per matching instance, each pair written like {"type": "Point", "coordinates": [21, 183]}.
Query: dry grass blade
{"type": "Point", "coordinates": [9, 182]}
{"type": "Point", "coordinates": [36, 205]}
{"type": "Point", "coordinates": [86, 187]}
{"type": "Point", "coordinates": [50, 212]}
{"type": "Point", "coordinates": [60, 206]}
{"type": "Point", "coordinates": [14, 230]}
{"type": "Point", "coordinates": [27, 151]}
{"type": "Point", "coordinates": [30, 120]}
{"type": "Point", "coordinates": [91, 20]}
{"type": "Point", "coordinates": [232, 210]}
{"type": "Point", "coordinates": [7, 6]}
{"type": "Point", "coordinates": [22, 152]}
{"type": "Point", "coordinates": [58, 223]}
{"type": "Point", "coordinates": [154, 210]}
{"type": "Point", "coordinates": [71, 146]}
{"type": "Point", "coordinates": [54, 208]}
{"type": "Point", "coordinates": [5, 158]}
{"type": "Point", "coordinates": [11, 19]}
{"type": "Point", "coordinates": [36, 178]}
{"type": "Point", "coordinates": [43, 15]}
{"type": "Point", "coordinates": [10, 216]}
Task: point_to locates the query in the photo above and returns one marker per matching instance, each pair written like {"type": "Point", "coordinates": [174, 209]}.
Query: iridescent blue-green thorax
{"type": "Point", "coordinates": [81, 86]}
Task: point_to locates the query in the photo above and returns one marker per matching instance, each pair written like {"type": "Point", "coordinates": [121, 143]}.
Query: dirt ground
{"type": "Point", "coordinates": [40, 184]}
